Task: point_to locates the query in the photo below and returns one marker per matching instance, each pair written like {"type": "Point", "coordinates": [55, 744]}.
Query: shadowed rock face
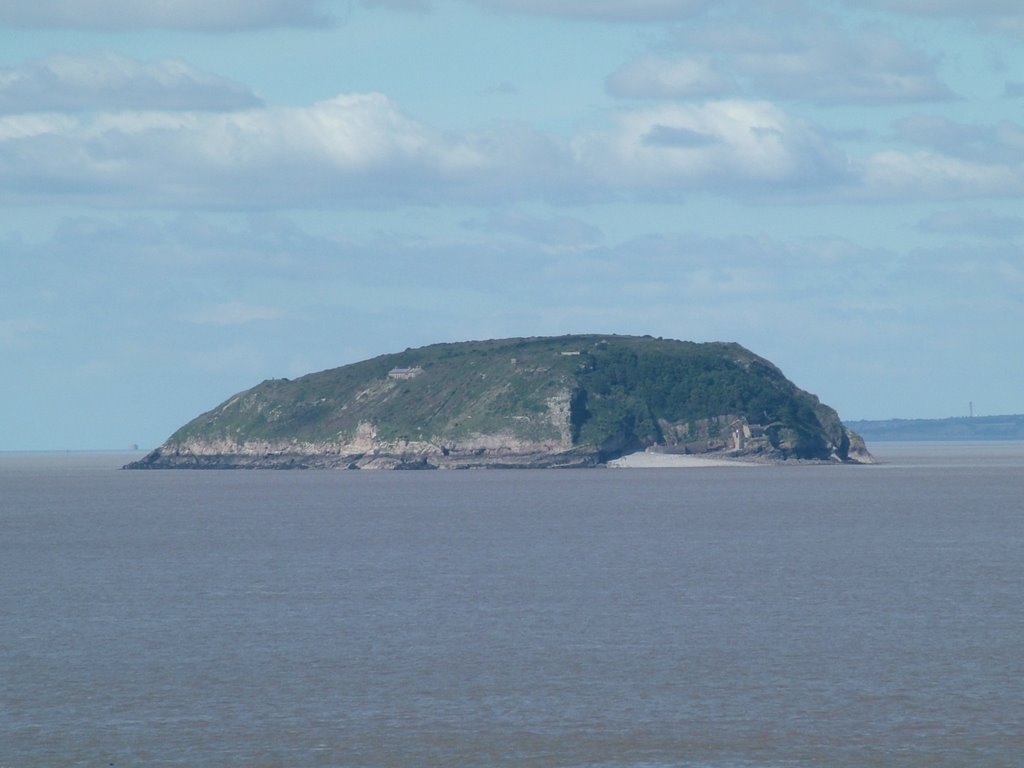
{"type": "Point", "coordinates": [570, 401]}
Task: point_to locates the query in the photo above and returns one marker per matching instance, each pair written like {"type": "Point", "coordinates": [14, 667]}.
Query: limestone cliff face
{"type": "Point", "coordinates": [572, 401]}
{"type": "Point", "coordinates": [367, 452]}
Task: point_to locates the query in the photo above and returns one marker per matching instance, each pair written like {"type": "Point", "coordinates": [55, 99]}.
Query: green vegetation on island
{"type": "Point", "coordinates": [534, 402]}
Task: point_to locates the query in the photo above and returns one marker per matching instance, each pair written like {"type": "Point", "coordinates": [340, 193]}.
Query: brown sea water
{"type": "Point", "coordinates": [727, 617]}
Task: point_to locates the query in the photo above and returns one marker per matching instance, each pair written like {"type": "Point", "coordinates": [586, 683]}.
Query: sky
{"type": "Point", "coordinates": [197, 196]}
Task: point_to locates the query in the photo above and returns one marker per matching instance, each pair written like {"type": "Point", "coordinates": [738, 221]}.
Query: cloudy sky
{"type": "Point", "coordinates": [197, 196]}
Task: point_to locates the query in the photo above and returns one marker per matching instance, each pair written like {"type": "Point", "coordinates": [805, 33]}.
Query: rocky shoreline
{"type": "Point", "coordinates": [405, 456]}
{"type": "Point", "coordinates": [421, 457]}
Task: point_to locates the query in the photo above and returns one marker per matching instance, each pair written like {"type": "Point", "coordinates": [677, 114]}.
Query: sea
{"type": "Point", "coordinates": [716, 617]}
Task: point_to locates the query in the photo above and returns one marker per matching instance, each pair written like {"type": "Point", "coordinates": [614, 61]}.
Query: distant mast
{"type": "Point", "coordinates": [970, 406]}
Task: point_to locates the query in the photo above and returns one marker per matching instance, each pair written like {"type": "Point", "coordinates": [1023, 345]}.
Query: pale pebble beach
{"type": "Point", "coordinates": [652, 460]}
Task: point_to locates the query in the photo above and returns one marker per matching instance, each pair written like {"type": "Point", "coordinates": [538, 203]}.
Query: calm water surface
{"type": "Point", "coordinates": [730, 618]}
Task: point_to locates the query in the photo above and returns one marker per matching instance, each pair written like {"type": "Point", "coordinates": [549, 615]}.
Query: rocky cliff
{"type": "Point", "coordinates": [570, 401]}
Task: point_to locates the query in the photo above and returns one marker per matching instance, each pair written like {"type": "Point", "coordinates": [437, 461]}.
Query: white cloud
{"type": "Point", "coordinates": [735, 143]}
{"type": "Point", "coordinates": [603, 10]}
{"type": "Point", "coordinates": [362, 150]}
{"type": "Point", "coordinates": [945, 7]}
{"type": "Point", "coordinates": [1001, 16]}
{"type": "Point", "coordinates": [818, 60]}
{"type": "Point", "coordinates": [105, 81]}
{"type": "Point", "coordinates": [1007, 25]}
{"type": "Point", "coordinates": [223, 15]}
{"type": "Point", "coordinates": [30, 126]}
{"type": "Point", "coordinates": [661, 77]}
{"type": "Point", "coordinates": [357, 147]}
{"type": "Point", "coordinates": [969, 222]}
{"type": "Point", "coordinates": [987, 144]}
{"type": "Point", "coordinates": [903, 176]}
{"type": "Point", "coordinates": [401, 5]}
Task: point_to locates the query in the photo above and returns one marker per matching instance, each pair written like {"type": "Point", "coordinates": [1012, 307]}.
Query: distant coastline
{"type": "Point", "coordinates": [1009, 427]}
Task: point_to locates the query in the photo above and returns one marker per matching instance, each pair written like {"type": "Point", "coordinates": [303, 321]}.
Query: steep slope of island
{"type": "Point", "coordinates": [568, 401]}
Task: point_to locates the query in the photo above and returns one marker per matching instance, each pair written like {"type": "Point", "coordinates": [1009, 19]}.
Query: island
{"type": "Point", "coordinates": [538, 402]}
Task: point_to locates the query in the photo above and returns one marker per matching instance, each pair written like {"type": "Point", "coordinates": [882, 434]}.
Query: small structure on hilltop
{"type": "Point", "coordinates": [404, 373]}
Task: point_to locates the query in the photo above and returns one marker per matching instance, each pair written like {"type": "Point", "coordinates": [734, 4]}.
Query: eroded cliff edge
{"type": "Point", "coordinates": [568, 401]}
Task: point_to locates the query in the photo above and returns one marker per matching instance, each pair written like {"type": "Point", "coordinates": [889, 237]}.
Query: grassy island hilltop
{"type": "Point", "coordinates": [567, 401]}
